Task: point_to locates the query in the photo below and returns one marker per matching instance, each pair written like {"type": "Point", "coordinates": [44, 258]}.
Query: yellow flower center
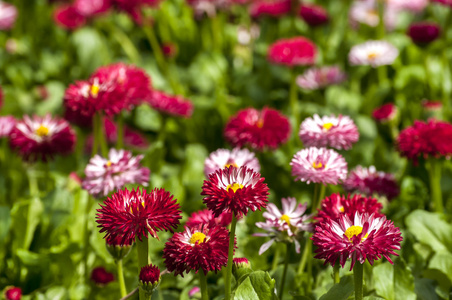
{"type": "Point", "coordinates": [228, 165]}
{"type": "Point", "coordinates": [317, 165]}
{"type": "Point", "coordinates": [354, 231]}
{"type": "Point", "coordinates": [108, 164]}
{"type": "Point", "coordinates": [286, 219]}
{"type": "Point", "coordinates": [341, 209]}
{"type": "Point", "coordinates": [197, 237]}
{"type": "Point", "coordinates": [327, 126]}
{"type": "Point", "coordinates": [372, 55]}
{"type": "Point", "coordinates": [235, 186]}
{"type": "Point", "coordinates": [260, 123]}
{"type": "Point", "coordinates": [42, 131]}
{"type": "Point", "coordinates": [94, 90]}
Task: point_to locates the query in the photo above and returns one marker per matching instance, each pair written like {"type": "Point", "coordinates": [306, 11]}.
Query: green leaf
{"type": "Point", "coordinates": [5, 222]}
{"type": "Point", "coordinates": [394, 282]}
{"type": "Point", "coordinates": [26, 217]}
{"type": "Point", "coordinates": [341, 290]}
{"type": "Point", "coordinates": [425, 289]}
{"type": "Point", "coordinates": [373, 298]}
{"type": "Point", "coordinates": [442, 261]}
{"type": "Point", "coordinates": [383, 276]}
{"type": "Point", "coordinates": [258, 285]}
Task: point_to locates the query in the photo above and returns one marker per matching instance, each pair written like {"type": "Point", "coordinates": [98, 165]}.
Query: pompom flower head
{"type": "Point", "coordinates": [314, 15]}
{"type": "Point", "coordinates": [68, 17]}
{"type": "Point", "coordinates": [223, 158]}
{"type": "Point", "coordinates": [235, 190]}
{"type": "Point", "coordinates": [206, 216]}
{"type": "Point", "coordinates": [171, 105]}
{"type": "Point", "coordinates": [197, 248]}
{"type": "Point", "coordinates": [104, 175]}
{"type": "Point", "coordinates": [128, 215]}
{"type": "Point", "coordinates": [297, 51]}
{"type": "Point", "coordinates": [41, 138]}
{"type": "Point", "coordinates": [272, 8]}
{"type": "Point", "coordinates": [329, 131]}
{"type": "Point", "coordinates": [319, 165]}
{"type": "Point", "coordinates": [263, 129]}
{"type": "Point", "coordinates": [101, 277]}
{"type": "Point", "coordinates": [317, 78]}
{"type": "Point", "coordinates": [373, 53]}
{"type": "Point", "coordinates": [363, 237]}
{"type": "Point", "coordinates": [369, 181]}
{"type": "Point", "coordinates": [423, 32]}
{"type": "Point", "coordinates": [149, 277]}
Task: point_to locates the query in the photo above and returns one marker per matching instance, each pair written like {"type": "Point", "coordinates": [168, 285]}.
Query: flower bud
{"type": "Point", "coordinates": [101, 277]}
{"type": "Point", "coordinates": [313, 15]}
{"type": "Point", "coordinates": [423, 32]}
{"type": "Point", "coordinates": [149, 278]}
{"type": "Point", "coordinates": [116, 249]}
{"type": "Point", "coordinates": [240, 266]}
{"type": "Point", "coordinates": [12, 293]}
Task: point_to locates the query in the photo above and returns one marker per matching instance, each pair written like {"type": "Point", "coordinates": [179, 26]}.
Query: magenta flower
{"type": "Point", "coordinates": [313, 15]}
{"type": "Point", "coordinates": [68, 17]}
{"type": "Point", "coordinates": [373, 53]}
{"type": "Point", "coordinates": [8, 15]}
{"type": "Point", "coordinates": [319, 165]}
{"type": "Point", "coordinates": [104, 175]}
{"type": "Point", "coordinates": [133, 7]}
{"type": "Point", "coordinates": [206, 217]}
{"type": "Point", "coordinates": [91, 8]}
{"type": "Point", "coordinates": [271, 8]}
{"type": "Point", "coordinates": [385, 113]}
{"type": "Point", "coordinates": [424, 32]}
{"type": "Point", "coordinates": [223, 158]}
{"type": "Point", "coordinates": [297, 51]}
{"type": "Point", "coordinates": [171, 105]}
{"type": "Point", "coordinates": [336, 132]}
{"type": "Point", "coordinates": [7, 124]}
{"type": "Point", "coordinates": [317, 78]}
{"type": "Point", "coordinates": [101, 277]}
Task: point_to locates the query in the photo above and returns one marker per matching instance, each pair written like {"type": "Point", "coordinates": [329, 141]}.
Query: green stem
{"type": "Point", "coordinates": [120, 132]}
{"type": "Point", "coordinates": [143, 260]}
{"type": "Point", "coordinates": [381, 15]}
{"type": "Point", "coordinates": [286, 265]}
{"type": "Point", "coordinates": [122, 284]}
{"type": "Point", "coordinates": [86, 235]}
{"type": "Point", "coordinates": [434, 169]}
{"type": "Point", "coordinates": [203, 284]}
{"type": "Point", "coordinates": [94, 150]}
{"type": "Point", "coordinates": [102, 141]}
{"type": "Point", "coordinates": [33, 182]}
{"type": "Point", "coordinates": [382, 74]}
{"type": "Point", "coordinates": [293, 98]}
{"type": "Point", "coordinates": [217, 33]}
{"type": "Point", "coordinates": [127, 45]}
{"type": "Point", "coordinates": [358, 275]}
{"type": "Point", "coordinates": [446, 67]}
{"type": "Point", "coordinates": [276, 257]}
{"type": "Point", "coordinates": [306, 253]}
{"type": "Point", "coordinates": [228, 279]}
{"type": "Point", "coordinates": [319, 193]}
{"type": "Point", "coordinates": [336, 276]}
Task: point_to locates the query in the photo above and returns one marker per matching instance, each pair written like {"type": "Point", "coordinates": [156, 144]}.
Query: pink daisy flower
{"type": "Point", "coordinates": [366, 12]}
{"type": "Point", "coordinates": [206, 216]}
{"type": "Point", "coordinates": [81, 102]}
{"type": "Point", "coordinates": [414, 6]}
{"type": "Point", "coordinates": [235, 190]}
{"type": "Point", "coordinates": [104, 175]}
{"type": "Point", "coordinates": [267, 128]}
{"type": "Point", "coordinates": [336, 205]}
{"type": "Point", "coordinates": [91, 8]}
{"type": "Point", "coordinates": [223, 158]}
{"type": "Point", "coordinates": [317, 78]}
{"type": "Point", "coordinates": [369, 181]}
{"type": "Point", "coordinates": [373, 53]}
{"type": "Point", "coordinates": [319, 165]}
{"type": "Point", "coordinates": [68, 17]}
{"type": "Point", "coordinates": [8, 15]}
{"type": "Point", "coordinates": [297, 51]}
{"type": "Point", "coordinates": [364, 237]}
{"type": "Point", "coordinates": [128, 215]}
{"type": "Point", "coordinates": [329, 131]}
{"type": "Point", "coordinates": [197, 248]}
{"type": "Point", "coordinates": [432, 105]}
{"type": "Point", "coordinates": [172, 105]}
{"type": "Point", "coordinates": [40, 138]}
{"type": "Point", "coordinates": [271, 8]}
{"type": "Point", "coordinates": [385, 113]}
{"type": "Point", "coordinates": [7, 124]}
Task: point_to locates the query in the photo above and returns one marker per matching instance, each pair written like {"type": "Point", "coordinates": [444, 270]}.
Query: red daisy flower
{"type": "Point", "coordinates": [133, 7]}
{"type": "Point", "coordinates": [433, 138]}
{"type": "Point", "coordinates": [91, 8]}
{"type": "Point", "coordinates": [314, 15]}
{"type": "Point", "coordinates": [101, 277]}
{"type": "Point", "coordinates": [149, 277]}
{"type": "Point", "coordinates": [68, 17]}
{"type": "Point", "coordinates": [40, 138]}
{"type": "Point", "coordinates": [12, 293]}
{"type": "Point", "coordinates": [258, 129]}
{"type": "Point", "coordinates": [272, 8]}
{"type": "Point", "coordinates": [235, 190]}
{"type": "Point", "coordinates": [197, 248]}
{"type": "Point", "coordinates": [366, 237]}
{"type": "Point", "coordinates": [206, 216]}
{"type": "Point", "coordinates": [297, 51]}
{"type": "Point", "coordinates": [133, 214]}
{"type": "Point", "coordinates": [336, 205]}
{"type": "Point", "coordinates": [81, 101]}
{"type": "Point", "coordinates": [172, 105]}
{"type": "Point", "coordinates": [423, 32]}
{"type": "Point", "coordinates": [385, 113]}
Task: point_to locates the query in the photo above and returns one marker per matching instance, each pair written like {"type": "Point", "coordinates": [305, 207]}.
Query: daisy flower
{"type": "Point", "coordinates": [319, 165]}
{"type": "Point", "coordinates": [149, 277]}
{"type": "Point", "coordinates": [206, 216]}
{"type": "Point", "coordinates": [297, 51]}
{"type": "Point", "coordinates": [329, 131]}
{"type": "Point", "coordinates": [7, 124]}
{"type": "Point", "coordinates": [313, 15]}
{"type": "Point", "coordinates": [366, 12]}
{"type": "Point", "coordinates": [263, 129]}
{"type": "Point", "coordinates": [363, 237]}
{"type": "Point", "coordinates": [373, 53]}
{"type": "Point", "coordinates": [369, 181]}
{"type": "Point", "coordinates": [41, 138]}
{"type": "Point", "coordinates": [101, 277]}
{"type": "Point", "coordinates": [68, 17]}
{"type": "Point", "coordinates": [223, 158]}
{"type": "Point", "coordinates": [385, 113]}
{"type": "Point", "coordinates": [171, 105]}
{"type": "Point", "coordinates": [317, 78]}
{"type": "Point", "coordinates": [8, 15]}
{"type": "Point", "coordinates": [235, 190]}
{"type": "Point", "coordinates": [104, 175]}
{"type": "Point", "coordinates": [271, 8]}
{"type": "Point", "coordinates": [423, 32]}
{"type": "Point", "coordinates": [128, 215]}
{"type": "Point", "coordinates": [197, 248]}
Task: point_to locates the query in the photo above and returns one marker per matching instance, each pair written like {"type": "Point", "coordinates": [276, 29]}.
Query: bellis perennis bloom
{"type": "Point", "coordinates": [385, 113]}
{"type": "Point", "coordinates": [313, 15]}
{"type": "Point", "coordinates": [223, 158]}
{"type": "Point", "coordinates": [101, 277]}
{"type": "Point", "coordinates": [363, 237]}
{"type": "Point", "coordinates": [40, 138]}
{"type": "Point", "coordinates": [206, 217]}
{"type": "Point", "coordinates": [197, 248]}
{"type": "Point", "coordinates": [329, 131]}
{"type": "Point", "coordinates": [319, 165]}
{"type": "Point", "coordinates": [104, 175]}
{"type": "Point", "coordinates": [373, 53]}
{"type": "Point", "coordinates": [171, 105]}
{"type": "Point", "coordinates": [297, 51]}
{"type": "Point", "coordinates": [128, 215]}
{"type": "Point", "coordinates": [272, 8]}
{"type": "Point", "coordinates": [8, 15]}
{"type": "Point", "coordinates": [7, 123]}
{"type": "Point", "coordinates": [235, 190]}
{"type": "Point", "coordinates": [317, 78]}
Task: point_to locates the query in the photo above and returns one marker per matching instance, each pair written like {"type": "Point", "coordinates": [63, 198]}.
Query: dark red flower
{"type": "Point", "coordinates": [272, 8]}
{"type": "Point", "coordinates": [385, 113]}
{"type": "Point", "coordinates": [314, 15]}
{"type": "Point", "coordinates": [13, 293]}
{"type": "Point", "coordinates": [424, 32]}
{"type": "Point", "coordinates": [149, 275]}
{"type": "Point", "coordinates": [41, 138]}
{"type": "Point", "coordinates": [235, 190]}
{"type": "Point", "coordinates": [68, 17]}
{"type": "Point", "coordinates": [81, 103]}
{"type": "Point", "coordinates": [431, 105]}
{"type": "Point", "coordinates": [101, 277]}
{"type": "Point", "coordinates": [133, 7]}
{"type": "Point", "coordinates": [206, 216]}
{"type": "Point", "coordinates": [197, 248]}
{"type": "Point", "coordinates": [433, 138]}
{"type": "Point", "coordinates": [172, 105]}
{"type": "Point", "coordinates": [267, 128]}
{"type": "Point", "coordinates": [297, 51]}
{"type": "Point", "coordinates": [169, 49]}
{"type": "Point", "coordinates": [128, 215]}
{"type": "Point", "coordinates": [336, 205]}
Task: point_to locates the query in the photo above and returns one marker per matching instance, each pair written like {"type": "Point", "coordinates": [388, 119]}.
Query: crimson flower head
{"type": "Point", "coordinates": [297, 51]}
{"type": "Point", "coordinates": [171, 105]}
{"type": "Point", "coordinates": [90, 8]}
{"type": "Point", "coordinates": [197, 248]}
{"type": "Point", "coordinates": [149, 277]}
{"type": "Point", "coordinates": [133, 7]}
{"type": "Point", "coordinates": [433, 138]}
{"type": "Point", "coordinates": [101, 277]}
{"type": "Point", "coordinates": [41, 138]}
{"type": "Point", "coordinates": [267, 128]}
{"type": "Point", "coordinates": [385, 113]}
{"type": "Point", "coordinates": [271, 8]}
{"type": "Point", "coordinates": [423, 32]}
{"type": "Point", "coordinates": [68, 17]}
{"type": "Point", "coordinates": [81, 102]}
{"type": "Point", "coordinates": [314, 15]}
{"type": "Point", "coordinates": [223, 158]}
{"type": "Point", "coordinates": [206, 216]}
{"type": "Point", "coordinates": [362, 237]}
{"type": "Point", "coordinates": [12, 293]}
{"type": "Point", "coordinates": [128, 215]}
{"type": "Point", "coordinates": [336, 205]}
{"type": "Point", "coordinates": [235, 190]}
